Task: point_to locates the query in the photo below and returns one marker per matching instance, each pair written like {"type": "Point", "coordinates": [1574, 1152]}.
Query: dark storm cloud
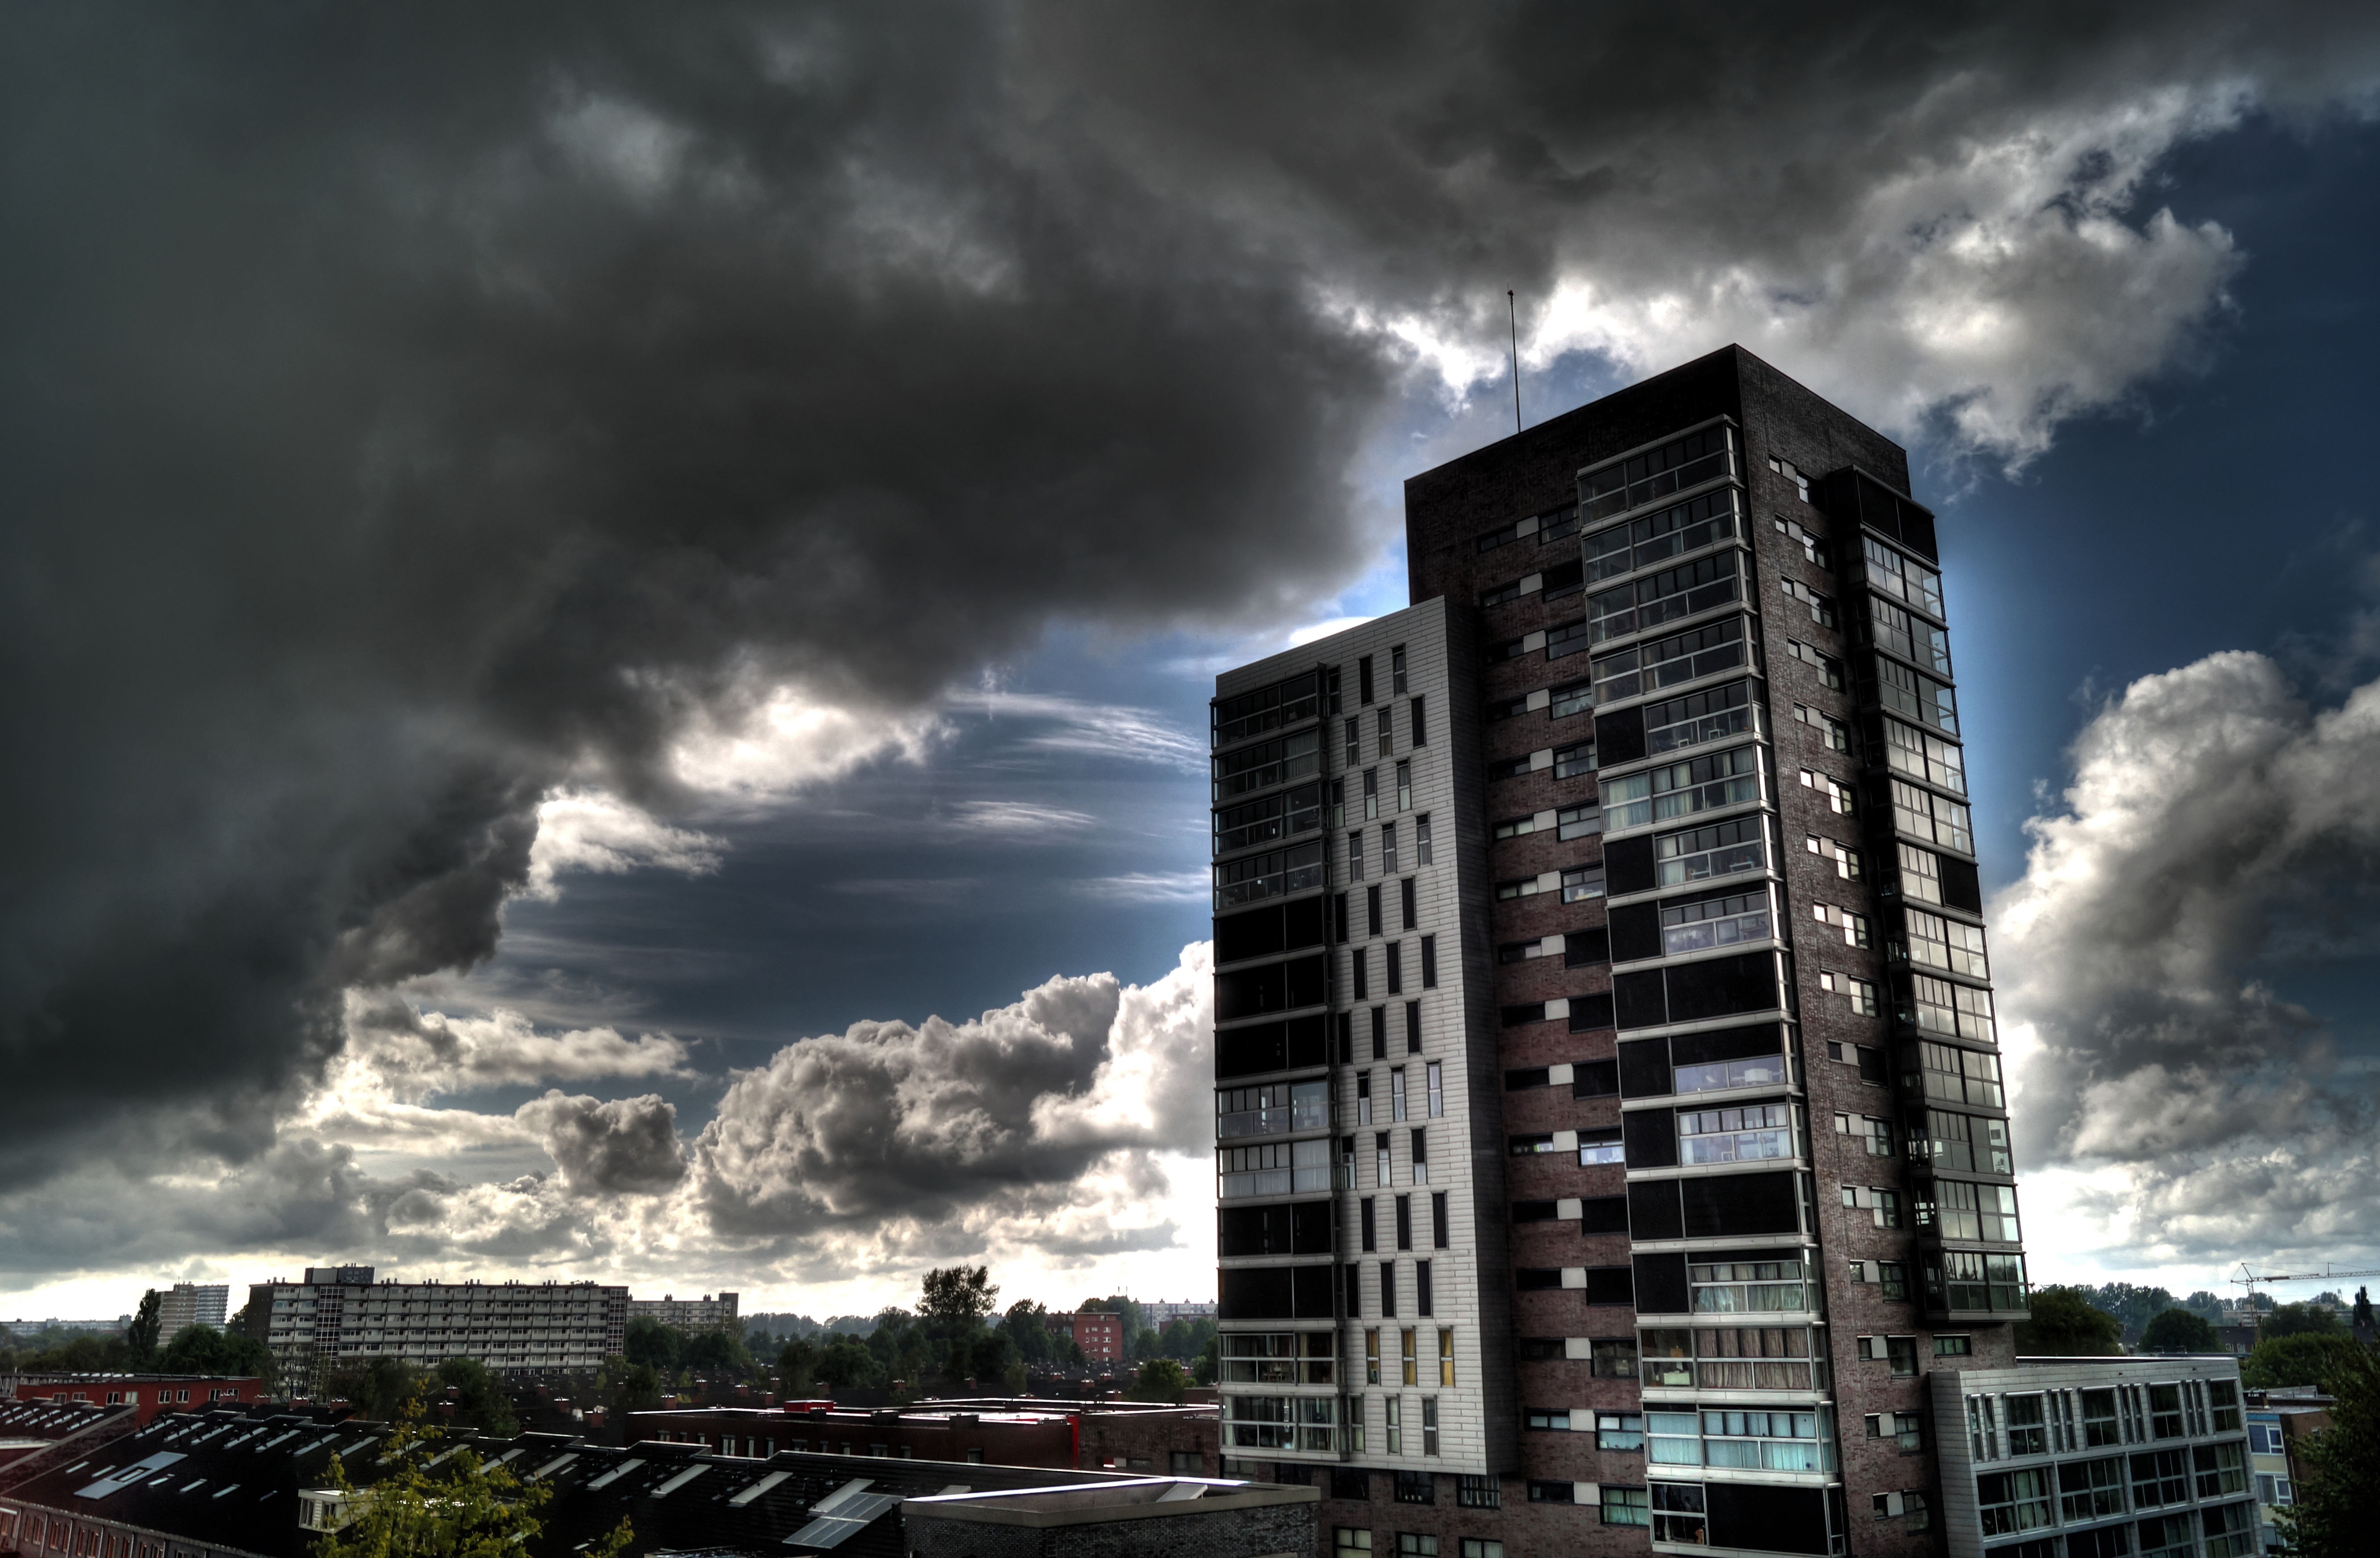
{"type": "Point", "coordinates": [403, 416]}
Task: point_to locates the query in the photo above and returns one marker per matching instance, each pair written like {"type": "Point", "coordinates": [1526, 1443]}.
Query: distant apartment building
{"type": "Point", "coordinates": [187, 1304]}
{"type": "Point", "coordinates": [706, 1313]}
{"type": "Point", "coordinates": [1100, 1335]}
{"type": "Point", "coordinates": [342, 1314]}
{"type": "Point", "coordinates": [1159, 1314]}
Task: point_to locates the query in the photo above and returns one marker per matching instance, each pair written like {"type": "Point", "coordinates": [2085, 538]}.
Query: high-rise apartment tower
{"type": "Point", "coordinates": [1610, 1132]}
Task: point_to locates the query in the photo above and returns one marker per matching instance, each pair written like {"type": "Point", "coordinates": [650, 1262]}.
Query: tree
{"type": "Point", "coordinates": [2301, 1320]}
{"type": "Point", "coordinates": [459, 1504]}
{"type": "Point", "coordinates": [480, 1400]}
{"type": "Point", "coordinates": [140, 1336]}
{"type": "Point", "coordinates": [958, 1295]}
{"type": "Point", "coordinates": [2205, 1304]}
{"type": "Point", "coordinates": [648, 1341]}
{"type": "Point", "coordinates": [2301, 1359]}
{"type": "Point", "coordinates": [1160, 1379]}
{"type": "Point", "coordinates": [797, 1366]}
{"type": "Point", "coordinates": [1210, 1362]}
{"type": "Point", "coordinates": [2130, 1305]}
{"type": "Point", "coordinates": [2179, 1331]}
{"type": "Point", "coordinates": [639, 1390]}
{"type": "Point", "coordinates": [377, 1388]}
{"type": "Point", "coordinates": [202, 1349]}
{"type": "Point", "coordinates": [2065, 1324]}
{"type": "Point", "coordinates": [2337, 1503]}
{"type": "Point", "coordinates": [848, 1364]}
{"type": "Point", "coordinates": [1025, 1326]}
{"type": "Point", "coordinates": [716, 1352]}
{"type": "Point", "coordinates": [2363, 1309]}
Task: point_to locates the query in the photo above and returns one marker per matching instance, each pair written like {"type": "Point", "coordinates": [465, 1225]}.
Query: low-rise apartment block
{"type": "Point", "coordinates": [344, 1314]}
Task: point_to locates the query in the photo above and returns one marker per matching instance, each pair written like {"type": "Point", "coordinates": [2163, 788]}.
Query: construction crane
{"type": "Point", "coordinates": [2249, 1279]}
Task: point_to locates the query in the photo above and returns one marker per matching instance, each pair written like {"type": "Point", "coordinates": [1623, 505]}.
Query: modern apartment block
{"type": "Point", "coordinates": [2097, 1457]}
{"type": "Point", "coordinates": [706, 1313]}
{"type": "Point", "coordinates": [187, 1304]}
{"type": "Point", "coordinates": [1609, 1131]}
{"type": "Point", "coordinates": [341, 1315]}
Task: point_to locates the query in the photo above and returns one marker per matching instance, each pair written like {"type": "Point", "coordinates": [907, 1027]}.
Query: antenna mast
{"type": "Point", "coordinates": [1513, 315]}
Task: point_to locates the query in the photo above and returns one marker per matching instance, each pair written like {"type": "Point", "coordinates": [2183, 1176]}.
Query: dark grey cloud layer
{"type": "Point", "coordinates": [406, 414]}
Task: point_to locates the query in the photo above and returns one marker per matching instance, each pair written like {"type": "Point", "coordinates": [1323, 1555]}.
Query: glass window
{"type": "Point", "coordinates": [2014, 1501]}
{"type": "Point", "coordinates": [2028, 1425]}
{"type": "Point", "coordinates": [1599, 1147]}
{"type": "Point", "coordinates": [1701, 853]}
{"type": "Point", "coordinates": [1922, 814]}
{"type": "Point", "coordinates": [1920, 697]}
{"type": "Point", "coordinates": [1421, 840]}
{"type": "Point", "coordinates": [1626, 1506]}
{"type": "Point", "coordinates": [1670, 662]}
{"type": "Point", "coordinates": [1268, 819]}
{"type": "Point", "coordinates": [1348, 1540]}
{"type": "Point", "coordinates": [1756, 1071]}
{"type": "Point", "coordinates": [1641, 478]}
{"type": "Point", "coordinates": [2160, 1476]}
{"type": "Point", "coordinates": [1578, 822]}
{"type": "Point", "coordinates": [1254, 878]}
{"type": "Point", "coordinates": [1614, 1359]}
{"type": "Point", "coordinates": [1268, 764]}
{"type": "Point", "coordinates": [1903, 578]}
{"type": "Point", "coordinates": [1397, 669]}
{"type": "Point", "coordinates": [1715, 922]}
{"type": "Point", "coordinates": [1959, 1075]}
{"type": "Point", "coordinates": [1923, 756]}
{"type": "Point", "coordinates": [1581, 883]}
{"type": "Point", "coordinates": [2221, 1469]}
{"type": "Point", "coordinates": [1572, 698]}
{"type": "Point", "coordinates": [1749, 1288]}
{"type": "Point", "coordinates": [1728, 778]}
{"type": "Point", "coordinates": [1938, 942]}
{"type": "Point", "coordinates": [2099, 1422]}
{"type": "Point", "coordinates": [1668, 596]}
{"type": "Point", "coordinates": [1572, 761]}
{"type": "Point", "coordinates": [1752, 1133]}
{"type": "Point", "coordinates": [1405, 788]}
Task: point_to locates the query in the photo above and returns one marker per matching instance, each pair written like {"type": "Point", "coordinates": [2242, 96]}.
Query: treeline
{"type": "Point", "coordinates": [953, 1337]}
{"type": "Point", "coordinates": [769, 1331]}
{"type": "Point", "coordinates": [194, 1349]}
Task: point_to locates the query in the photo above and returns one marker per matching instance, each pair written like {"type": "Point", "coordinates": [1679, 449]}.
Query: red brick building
{"type": "Point", "coordinates": [1100, 1335]}
{"type": "Point", "coordinates": [148, 1394]}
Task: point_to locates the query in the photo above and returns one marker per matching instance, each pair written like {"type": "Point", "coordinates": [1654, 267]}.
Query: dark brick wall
{"type": "Point", "coordinates": [1447, 508]}
{"type": "Point", "coordinates": [1146, 1441]}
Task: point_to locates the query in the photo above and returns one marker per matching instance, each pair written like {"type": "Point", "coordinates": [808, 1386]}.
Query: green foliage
{"type": "Point", "coordinates": [958, 1296]}
{"type": "Point", "coordinates": [2065, 1324]}
{"type": "Point", "coordinates": [2300, 1319]}
{"type": "Point", "coordinates": [648, 1341]}
{"type": "Point", "coordinates": [2301, 1359]}
{"type": "Point", "coordinates": [1185, 1339]}
{"type": "Point", "coordinates": [2179, 1331]}
{"type": "Point", "coordinates": [377, 1388]}
{"type": "Point", "coordinates": [797, 1366]}
{"type": "Point", "coordinates": [463, 1506]}
{"type": "Point", "coordinates": [2208, 1305]}
{"type": "Point", "coordinates": [715, 1352]}
{"type": "Point", "coordinates": [636, 1388]}
{"type": "Point", "coordinates": [202, 1349]}
{"type": "Point", "coordinates": [1160, 1379]}
{"type": "Point", "coordinates": [847, 1363]}
{"type": "Point", "coordinates": [2337, 1503]}
{"type": "Point", "coordinates": [2363, 1309]}
{"type": "Point", "coordinates": [140, 1336]}
{"type": "Point", "coordinates": [1210, 1362]}
{"type": "Point", "coordinates": [1144, 1347]}
{"type": "Point", "coordinates": [2130, 1306]}
{"type": "Point", "coordinates": [480, 1400]}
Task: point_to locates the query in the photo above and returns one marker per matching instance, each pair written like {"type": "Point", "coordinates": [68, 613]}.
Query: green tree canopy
{"type": "Point", "coordinates": [377, 1388]}
{"type": "Point", "coordinates": [140, 1336]}
{"type": "Point", "coordinates": [1160, 1379]}
{"type": "Point", "coordinates": [2294, 1360]}
{"type": "Point", "coordinates": [1210, 1362]}
{"type": "Point", "coordinates": [2065, 1324]}
{"type": "Point", "coordinates": [479, 1399]}
{"type": "Point", "coordinates": [715, 1352]}
{"type": "Point", "coordinates": [648, 1341]}
{"type": "Point", "coordinates": [797, 1366]}
{"type": "Point", "coordinates": [958, 1296]}
{"type": "Point", "coordinates": [2363, 1307]}
{"type": "Point", "coordinates": [2338, 1506]}
{"type": "Point", "coordinates": [202, 1349]}
{"type": "Point", "coordinates": [636, 1388]}
{"type": "Point", "coordinates": [2301, 1320]}
{"type": "Point", "coordinates": [848, 1364]}
{"type": "Point", "coordinates": [2179, 1331]}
